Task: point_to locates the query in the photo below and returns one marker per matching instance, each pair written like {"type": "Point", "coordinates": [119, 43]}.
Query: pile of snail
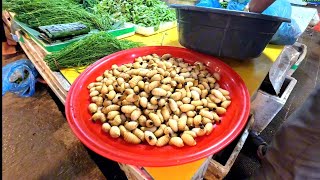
{"type": "Point", "coordinates": [159, 100]}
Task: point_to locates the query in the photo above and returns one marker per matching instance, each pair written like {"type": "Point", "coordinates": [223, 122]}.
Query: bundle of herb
{"type": "Point", "coordinates": [37, 13]}
{"type": "Point", "coordinates": [87, 51]}
{"type": "Point", "coordinates": [90, 4]}
{"type": "Point", "coordinates": [77, 1]}
{"type": "Point", "coordinates": [142, 12]}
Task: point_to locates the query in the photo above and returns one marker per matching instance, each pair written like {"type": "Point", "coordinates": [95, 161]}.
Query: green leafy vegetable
{"type": "Point", "coordinates": [37, 13]}
{"type": "Point", "coordinates": [143, 12]}
{"type": "Point", "coordinates": [87, 51]}
{"type": "Point", "coordinates": [90, 4]}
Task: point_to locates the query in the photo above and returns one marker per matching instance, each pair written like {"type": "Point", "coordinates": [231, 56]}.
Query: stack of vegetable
{"type": "Point", "coordinates": [87, 51]}
{"type": "Point", "coordinates": [37, 13]}
{"type": "Point", "coordinates": [146, 13]}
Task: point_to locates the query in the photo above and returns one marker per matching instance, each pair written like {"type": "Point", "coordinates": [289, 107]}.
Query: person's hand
{"type": "Point", "coordinates": [259, 6]}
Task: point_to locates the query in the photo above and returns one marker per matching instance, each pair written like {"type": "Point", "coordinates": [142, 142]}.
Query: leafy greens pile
{"type": "Point", "coordinates": [90, 4]}
{"type": "Point", "coordinates": [142, 12]}
{"type": "Point", "coordinates": [87, 51]}
{"type": "Point", "coordinates": [37, 13]}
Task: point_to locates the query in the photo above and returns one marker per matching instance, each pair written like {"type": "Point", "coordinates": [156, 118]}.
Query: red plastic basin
{"type": "Point", "coordinates": [143, 154]}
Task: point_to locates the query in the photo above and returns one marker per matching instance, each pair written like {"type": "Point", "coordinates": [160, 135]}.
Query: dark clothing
{"type": "Point", "coordinates": [295, 150]}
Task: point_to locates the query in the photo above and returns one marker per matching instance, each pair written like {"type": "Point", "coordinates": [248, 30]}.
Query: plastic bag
{"type": "Point", "coordinates": [19, 77]}
{"type": "Point", "coordinates": [281, 66]}
{"type": "Point", "coordinates": [287, 33]}
{"type": "Point", "coordinates": [209, 3]}
{"type": "Point", "coordinates": [237, 4]}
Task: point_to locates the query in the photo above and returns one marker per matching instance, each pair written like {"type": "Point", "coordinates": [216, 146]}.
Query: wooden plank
{"type": "Point", "coordinates": [6, 18]}
{"type": "Point", "coordinates": [7, 29]}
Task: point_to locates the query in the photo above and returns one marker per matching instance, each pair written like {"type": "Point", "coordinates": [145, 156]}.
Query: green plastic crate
{"type": "Point", "coordinates": [126, 31]}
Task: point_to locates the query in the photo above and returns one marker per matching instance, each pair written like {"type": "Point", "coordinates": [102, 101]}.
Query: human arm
{"type": "Point", "coordinates": [259, 6]}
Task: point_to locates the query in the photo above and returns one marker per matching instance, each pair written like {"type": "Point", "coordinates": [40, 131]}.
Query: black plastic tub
{"type": "Point", "coordinates": [225, 33]}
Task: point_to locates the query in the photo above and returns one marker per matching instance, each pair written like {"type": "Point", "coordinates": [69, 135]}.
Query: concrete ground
{"type": "Point", "coordinates": [38, 143]}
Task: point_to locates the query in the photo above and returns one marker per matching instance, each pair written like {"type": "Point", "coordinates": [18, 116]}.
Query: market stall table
{"type": "Point", "coordinates": [251, 71]}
